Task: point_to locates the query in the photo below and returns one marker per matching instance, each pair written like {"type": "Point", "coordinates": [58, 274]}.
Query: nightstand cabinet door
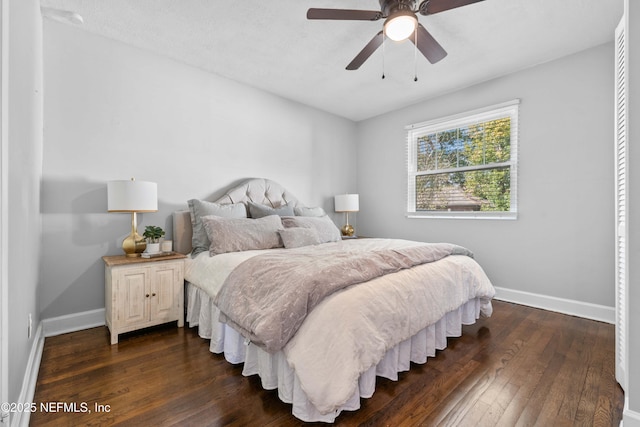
{"type": "Point", "coordinates": [132, 296]}
{"type": "Point", "coordinates": [166, 292]}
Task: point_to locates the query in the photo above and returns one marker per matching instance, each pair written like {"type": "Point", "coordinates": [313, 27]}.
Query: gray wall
{"type": "Point", "coordinates": [24, 169]}
{"type": "Point", "coordinates": [561, 245]}
{"type": "Point", "coordinates": [113, 111]}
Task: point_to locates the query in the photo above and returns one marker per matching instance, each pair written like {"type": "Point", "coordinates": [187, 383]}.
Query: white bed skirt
{"type": "Point", "coordinates": [275, 372]}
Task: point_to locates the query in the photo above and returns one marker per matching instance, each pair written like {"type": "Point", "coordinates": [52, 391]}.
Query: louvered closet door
{"type": "Point", "coordinates": [621, 120]}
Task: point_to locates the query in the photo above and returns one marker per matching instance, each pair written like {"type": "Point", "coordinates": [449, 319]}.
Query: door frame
{"type": "Point", "coordinates": [4, 215]}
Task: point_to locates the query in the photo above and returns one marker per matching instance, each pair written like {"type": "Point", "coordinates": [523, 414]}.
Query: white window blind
{"type": "Point", "coordinates": [464, 166]}
{"type": "Point", "coordinates": [621, 256]}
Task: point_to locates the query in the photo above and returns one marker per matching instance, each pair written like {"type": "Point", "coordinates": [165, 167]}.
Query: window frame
{"type": "Point", "coordinates": [417, 130]}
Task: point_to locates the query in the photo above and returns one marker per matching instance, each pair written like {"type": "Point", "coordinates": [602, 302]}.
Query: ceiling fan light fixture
{"type": "Point", "coordinates": [400, 25]}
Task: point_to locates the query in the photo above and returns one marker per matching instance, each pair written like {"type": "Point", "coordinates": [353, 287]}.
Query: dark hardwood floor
{"type": "Point", "coordinates": [522, 366]}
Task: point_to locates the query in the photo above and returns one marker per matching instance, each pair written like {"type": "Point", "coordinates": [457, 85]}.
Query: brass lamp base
{"type": "Point", "coordinates": [347, 230]}
{"type": "Point", "coordinates": [134, 244]}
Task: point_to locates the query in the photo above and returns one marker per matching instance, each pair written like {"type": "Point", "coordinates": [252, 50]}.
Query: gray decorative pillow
{"type": "Point", "coordinates": [242, 234]}
{"type": "Point", "coordinates": [199, 208]}
{"type": "Point", "coordinates": [327, 230]}
{"type": "Point", "coordinates": [258, 211]}
{"type": "Point", "coordinates": [298, 236]}
{"type": "Point", "coordinates": [303, 211]}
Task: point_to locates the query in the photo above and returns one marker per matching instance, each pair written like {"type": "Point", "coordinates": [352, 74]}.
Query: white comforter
{"type": "Point", "coordinates": [352, 329]}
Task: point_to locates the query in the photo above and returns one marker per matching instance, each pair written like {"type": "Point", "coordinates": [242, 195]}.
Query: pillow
{"type": "Point", "coordinates": [258, 211]}
{"type": "Point", "coordinates": [199, 208]}
{"type": "Point", "coordinates": [302, 211]}
{"type": "Point", "coordinates": [242, 234]}
{"type": "Point", "coordinates": [326, 229]}
{"type": "Point", "coordinates": [298, 236]}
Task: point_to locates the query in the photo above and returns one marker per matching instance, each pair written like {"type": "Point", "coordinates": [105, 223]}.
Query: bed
{"type": "Point", "coordinates": [325, 358]}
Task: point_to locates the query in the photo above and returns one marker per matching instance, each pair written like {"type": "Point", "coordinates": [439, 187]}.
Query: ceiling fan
{"type": "Point", "coordinates": [401, 23]}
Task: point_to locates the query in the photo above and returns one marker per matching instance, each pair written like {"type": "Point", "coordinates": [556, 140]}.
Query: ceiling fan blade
{"type": "Point", "coordinates": [430, 7]}
{"type": "Point", "coordinates": [365, 53]}
{"type": "Point", "coordinates": [427, 45]}
{"type": "Point", "coordinates": [344, 14]}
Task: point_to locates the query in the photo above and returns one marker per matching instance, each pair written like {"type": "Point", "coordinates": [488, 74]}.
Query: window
{"type": "Point", "coordinates": [464, 166]}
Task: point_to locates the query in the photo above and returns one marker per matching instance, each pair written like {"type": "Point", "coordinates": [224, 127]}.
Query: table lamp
{"type": "Point", "coordinates": [347, 203]}
{"type": "Point", "coordinates": [132, 197]}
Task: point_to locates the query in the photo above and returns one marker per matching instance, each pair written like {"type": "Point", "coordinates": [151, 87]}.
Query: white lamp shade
{"type": "Point", "coordinates": [132, 196]}
{"type": "Point", "coordinates": [347, 203]}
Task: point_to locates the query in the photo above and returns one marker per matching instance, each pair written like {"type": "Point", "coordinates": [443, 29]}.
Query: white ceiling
{"type": "Point", "coordinates": [272, 46]}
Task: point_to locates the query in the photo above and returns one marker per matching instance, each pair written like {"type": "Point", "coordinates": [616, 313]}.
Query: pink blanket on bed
{"type": "Point", "coordinates": [267, 297]}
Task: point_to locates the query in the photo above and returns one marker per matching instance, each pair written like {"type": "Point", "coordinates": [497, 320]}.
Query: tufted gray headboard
{"type": "Point", "coordinates": [257, 190]}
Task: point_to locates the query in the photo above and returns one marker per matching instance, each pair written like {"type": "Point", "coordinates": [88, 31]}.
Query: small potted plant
{"type": "Point", "coordinates": [153, 234]}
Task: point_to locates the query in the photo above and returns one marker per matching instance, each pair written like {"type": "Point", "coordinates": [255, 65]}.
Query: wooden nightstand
{"type": "Point", "coordinates": [141, 292]}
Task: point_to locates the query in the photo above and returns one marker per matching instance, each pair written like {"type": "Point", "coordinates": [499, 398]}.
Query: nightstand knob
{"type": "Point", "coordinates": [153, 294]}
{"type": "Point", "coordinates": [147, 295]}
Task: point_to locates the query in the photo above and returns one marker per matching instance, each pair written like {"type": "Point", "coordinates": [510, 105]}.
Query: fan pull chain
{"type": "Point", "coordinates": [415, 56]}
{"type": "Point", "coordinates": [383, 43]}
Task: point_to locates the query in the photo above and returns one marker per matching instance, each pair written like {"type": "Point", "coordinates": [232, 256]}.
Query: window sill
{"type": "Point", "coordinates": [464, 215]}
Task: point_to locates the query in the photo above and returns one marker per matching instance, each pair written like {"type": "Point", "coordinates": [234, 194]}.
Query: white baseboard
{"type": "Point", "coordinates": [587, 310]}
{"type": "Point", "coordinates": [73, 322]}
{"type": "Point", "coordinates": [94, 318]}
{"type": "Point", "coordinates": [30, 380]}
{"type": "Point", "coordinates": [629, 418]}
